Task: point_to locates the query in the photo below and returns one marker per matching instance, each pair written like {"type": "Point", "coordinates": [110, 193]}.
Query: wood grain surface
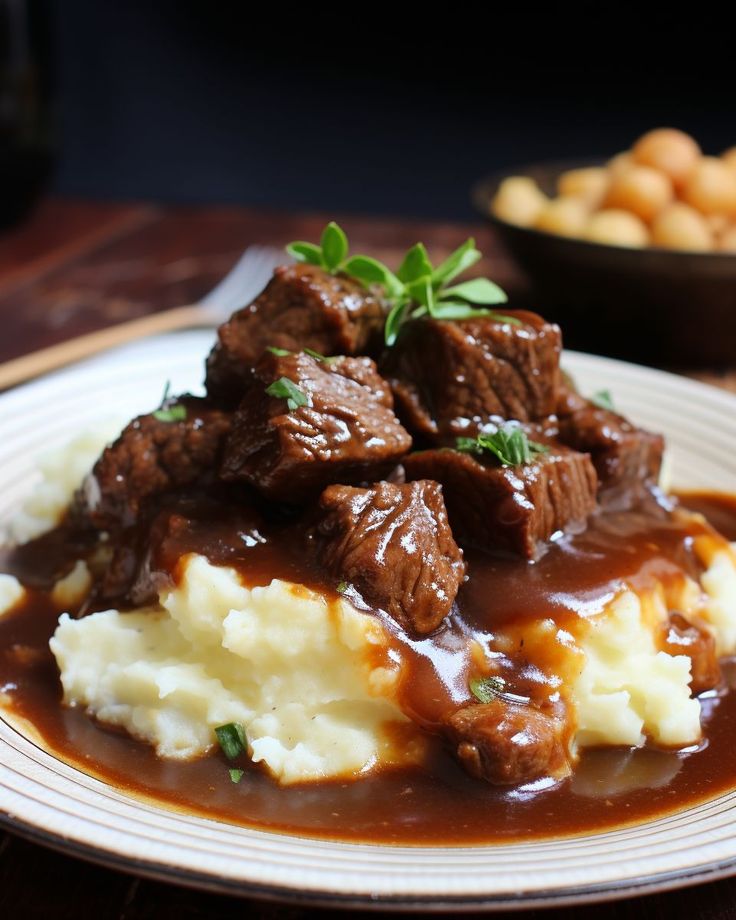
{"type": "Point", "coordinates": [75, 267]}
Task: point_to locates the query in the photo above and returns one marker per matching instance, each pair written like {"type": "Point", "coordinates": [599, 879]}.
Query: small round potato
{"type": "Point", "coordinates": [727, 240]}
{"type": "Point", "coordinates": [711, 187]}
{"type": "Point", "coordinates": [620, 163]}
{"type": "Point", "coordinates": [729, 158]}
{"type": "Point", "coordinates": [617, 228]}
{"type": "Point", "coordinates": [679, 226]}
{"type": "Point", "coordinates": [566, 216]}
{"type": "Point", "coordinates": [589, 183]}
{"type": "Point", "coordinates": [519, 200]}
{"type": "Point", "coordinates": [640, 189]}
{"type": "Point", "coordinates": [671, 151]}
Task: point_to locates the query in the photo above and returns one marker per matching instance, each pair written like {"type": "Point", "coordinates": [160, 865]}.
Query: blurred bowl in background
{"type": "Point", "coordinates": [651, 305]}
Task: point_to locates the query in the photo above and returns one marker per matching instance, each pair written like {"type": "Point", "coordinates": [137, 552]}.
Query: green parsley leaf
{"type": "Point", "coordinates": [342, 587]}
{"type": "Point", "coordinates": [279, 352]}
{"type": "Point", "coordinates": [177, 413]}
{"type": "Point", "coordinates": [318, 357]}
{"type": "Point", "coordinates": [232, 739]}
{"type": "Point", "coordinates": [236, 775]}
{"type": "Point", "coordinates": [455, 309]}
{"type": "Point", "coordinates": [477, 290]}
{"type": "Point", "coordinates": [305, 252]}
{"type": "Point", "coordinates": [603, 400]}
{"type": "Point", "coordinates": [283, 388]}
{"type": "Point", "coordinates": [416, 264]}
{"type": "Point", "coordinates": [334, 246]}
{"type": "Point", "coordinates": [371, 271]}
{"type": "Point", "coordinates": [486, 689]}
{"type": "Point", "coordinates": [509, 444]}
{"type": "Point", "coordinates": [395, 320]}
{"type": "Point", "coordinates": [468, 445]}
{"type": "Point", "coordinates": [463, 258]}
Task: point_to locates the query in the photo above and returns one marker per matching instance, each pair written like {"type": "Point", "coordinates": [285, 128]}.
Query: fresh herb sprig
{"type": "Point", "coordinates": [283, 388]}
{"type": "Point", "coordinates": [426, 290]}
{"type": "Point", "coordinates": [509, 444]}
{"type": "Point", "coordinates": [331, 254]}
{"type": "Point", "coordinates": [418, 288]}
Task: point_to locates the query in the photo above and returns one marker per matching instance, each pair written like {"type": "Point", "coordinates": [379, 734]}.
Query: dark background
{"type": "Point", "coordinates": [362, 108]}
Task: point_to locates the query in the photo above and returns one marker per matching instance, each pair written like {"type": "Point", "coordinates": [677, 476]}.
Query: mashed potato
{"type": "Point", "coordinates": [11, 593]}
{"type": "Point", "coordinates": [309, 680]}
{"type": "Point", "coordinates": [314, 685]}
{"type": "Point", "coordinates": [60, 475]}
{"type": "Point", "coordinates": [626, 688]}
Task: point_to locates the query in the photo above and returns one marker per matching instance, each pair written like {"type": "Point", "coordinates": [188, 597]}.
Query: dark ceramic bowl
{"type": "Point", "coordinates": [655, 306]}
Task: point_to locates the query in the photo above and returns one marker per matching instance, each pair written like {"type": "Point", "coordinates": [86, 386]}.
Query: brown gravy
{"type": "Point", "coordinates": [438, 803]}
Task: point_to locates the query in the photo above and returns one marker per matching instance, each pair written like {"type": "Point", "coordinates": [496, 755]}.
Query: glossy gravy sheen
{"type": "Point", "coordinates": [438, 803]}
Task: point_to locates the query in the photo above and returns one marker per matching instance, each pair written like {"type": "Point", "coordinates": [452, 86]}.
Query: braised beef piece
{"type": "Point", "coordinates": [302, 307]}
{"type": "Point", "coordinates": [680, 636]}
{"type": "Point", "coordinates": [627, 459]}
{"type": "Point", "coordinates": [345, 431]}
{"type": "Point", "coordinates": [449, 377]}
{"type": "Point", "coordinates": [515, 508]}
{"type": "Point", "coordinates": [507, 743]}
{"type": "Point", "coordinates": [220, 523]}
{"type": "Point", "coordinates": [394, 544]}
{"type": "Point", "coordinates": [152, 456]}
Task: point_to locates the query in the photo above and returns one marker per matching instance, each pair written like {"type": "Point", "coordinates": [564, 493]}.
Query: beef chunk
{"type": "Point", "coordinates": [448, 377]}
{"type": "Point", "coordinates": [510, 508]}
{"type": "Point", "coordinates": [507, 743]}
{"type": "Point", "coordinates": [627, 459]}
{"type": "Point", "coordinates": [152, 456]}
{"type": "Point", "coordinates": [216, 521]}
{"type": "Point", "coordinates": [302, 307]}
{"type": "Point", "coordinates": [682, 637]}
{"type": "Point", "coordinates": [394, 544]}
{"type": "Point", "coordinates": [346, 431]}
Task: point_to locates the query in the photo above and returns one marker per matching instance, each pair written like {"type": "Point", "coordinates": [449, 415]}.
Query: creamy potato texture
{"type": "Point", "coordinates": [307, 678]}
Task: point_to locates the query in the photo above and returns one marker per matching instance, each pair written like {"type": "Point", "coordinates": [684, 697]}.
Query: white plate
{"type": "Point", "coordinates": [58, 805]}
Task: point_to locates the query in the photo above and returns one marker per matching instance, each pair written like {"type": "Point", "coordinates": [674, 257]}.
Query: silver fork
{"type": "Point", "coordinates": [242, 284]}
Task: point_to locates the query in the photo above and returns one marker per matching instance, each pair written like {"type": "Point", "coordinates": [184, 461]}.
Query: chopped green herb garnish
{"type": "Point", "coordinates": [236, 775]}
{"type": "Point", "coordinates": [318, 357]}
{"type": "Point", "coordinates": [509, 444]}
{"type": "Point", "coordinates": [342, 587]}
{"type": "Point", "coordinates": [232, 739]}
{"type": "Point", "coordinates": [486, 689]}
{"type": "Point", "coordinates": [279, 352]}
{"type": "Point", "coordinates": [283, 388]}
{"type": "Point", "coordinates": [175, 413]}
{"type": "Point", "coordinates": [166, 413]}
{"type": "Point", "coordinates": [603, 400]}
{"type": "Point", "coordinates": [418, 288]}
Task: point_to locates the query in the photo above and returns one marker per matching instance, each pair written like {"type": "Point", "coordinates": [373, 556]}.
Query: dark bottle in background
{"type": "Point", "coordinates": [26, 141]}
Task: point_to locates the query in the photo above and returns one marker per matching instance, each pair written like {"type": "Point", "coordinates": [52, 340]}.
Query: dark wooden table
{"type": "Point", "coordinates": [75, 267]}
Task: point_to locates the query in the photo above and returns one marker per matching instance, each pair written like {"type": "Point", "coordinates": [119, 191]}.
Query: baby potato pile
{"type": "Point", "coordinates": [663, 192]}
